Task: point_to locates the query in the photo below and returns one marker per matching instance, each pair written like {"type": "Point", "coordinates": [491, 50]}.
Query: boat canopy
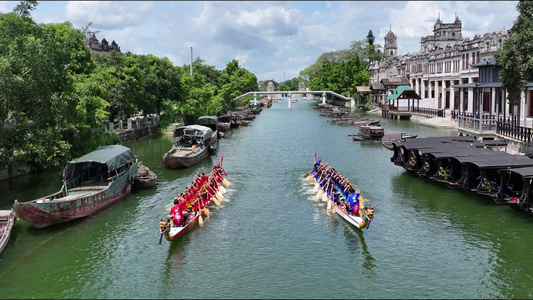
{"type": "Point", "coordinates": [195, 130]}
{"type": "Point", "coordinates": [113, 156]}
{"type": "Point", "coordinates": [207, 120]}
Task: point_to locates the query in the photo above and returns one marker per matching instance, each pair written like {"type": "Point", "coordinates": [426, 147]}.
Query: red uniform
{"type": "Point", "coordinates": [177, 213]}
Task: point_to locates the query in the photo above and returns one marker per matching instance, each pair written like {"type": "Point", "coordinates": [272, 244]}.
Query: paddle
{"type": "Point", "coordinates": [222, 189]}
{"type": "Point", "coordinates": [216, 201]}
{"type": "Point", "coordinates": [325, 197]}
{"type": "Point", "coordinates": [325, 194]}
{"type": "Point", "coordinates": [315, 189]}
{"type": "Point", "coordinates": [310, 179]}
{"type": "Point", "coordinates": [200, 219]}
{"type": "Point", "coordinates": [307, 174]}
{"type": "Point", "coordinates": [215, 194]}
{"type": "Point", "coordinates": [219, 196]}
{"type": "Point", "coordinates": [226, 182]}
{"type": "Point", "coordinates": [319, 193]}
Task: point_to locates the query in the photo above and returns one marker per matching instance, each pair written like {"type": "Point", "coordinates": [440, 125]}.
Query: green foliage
{"type": "Point", "coordinates": [24, 7]}
{"type": "Point", "coordinates": [516, 56]}
{"type": "Point", "coordinates": [291, 84]}
{"type": "Point", "coordinates": [38, 69]}
{"type": "Point", "coordinates": [340, 77]}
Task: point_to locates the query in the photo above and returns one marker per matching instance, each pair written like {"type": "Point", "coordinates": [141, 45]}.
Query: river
{"type": "Point", "coordinates": [271, 238]}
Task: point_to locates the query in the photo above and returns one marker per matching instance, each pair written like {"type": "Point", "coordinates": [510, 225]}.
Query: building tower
{"type": "Point", "coordinates": [391, 47]}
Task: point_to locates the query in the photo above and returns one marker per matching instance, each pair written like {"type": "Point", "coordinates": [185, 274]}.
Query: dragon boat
{"type": "Point", "coordinates": [329, 188]}
{"type": "Point", "coordinates": [214, 189]}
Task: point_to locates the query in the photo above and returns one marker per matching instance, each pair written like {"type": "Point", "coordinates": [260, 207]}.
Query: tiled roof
{"type": "Point", "coordinates": [403, 92]}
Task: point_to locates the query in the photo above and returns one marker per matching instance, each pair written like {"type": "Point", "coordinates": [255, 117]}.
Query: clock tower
{"type": "Point", "coordinates": [391, 47]}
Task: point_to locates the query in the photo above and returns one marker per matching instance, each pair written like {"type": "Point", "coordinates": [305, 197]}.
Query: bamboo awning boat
{"type": "Point", "coordinates": [91, 183]}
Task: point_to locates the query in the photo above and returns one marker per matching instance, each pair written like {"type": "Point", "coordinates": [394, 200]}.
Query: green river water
{"type": "Point", "coordinates": [271, 238]}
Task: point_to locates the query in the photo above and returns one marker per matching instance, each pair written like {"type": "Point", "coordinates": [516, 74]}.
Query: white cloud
{"type": "Point", "coordinates": [106, 14]}
{"type": "Point", "coordinates": [275, 39]}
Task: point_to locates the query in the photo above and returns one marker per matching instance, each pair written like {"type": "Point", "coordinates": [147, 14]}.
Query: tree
{"type": "Point", "coordinates": [125, 83]}
{"type": "Point", "coordinates": [370, 38]}
{"type": "Point", "coordinates": [24, 7]}
{"type": "Point", "coordinates": [516, 56]}
{"type": "Point", "coordinates": [367, 52]}
{"type": "Point", "coordinates": [38, 66]}
{"type": "Point", "coordinates": [235, 81]}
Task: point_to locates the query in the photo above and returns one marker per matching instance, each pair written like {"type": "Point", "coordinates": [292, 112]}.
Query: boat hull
{"type": "Point", "coordinates": [224, 126]}
{"type": "Point", "coordinates": [7, 220]}
{"type": "Point", "coordinates": [91, 183]}
{"type": "Point", "coordinates": [354, 220]}
{"type": "Point", "coordinates": [49, 211]}
{"type": "Point", "coordinates": [183, 157]}
{"type": "Point", "coordinates": [145, 178]}
{"type": "Point", "coordinates": [176, 232]}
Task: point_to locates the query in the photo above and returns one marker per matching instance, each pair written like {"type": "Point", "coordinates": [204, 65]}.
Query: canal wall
{"type": "Point", "coordinates": [136, 134]}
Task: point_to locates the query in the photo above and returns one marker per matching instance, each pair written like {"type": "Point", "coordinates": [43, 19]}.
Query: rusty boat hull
{"type": "Point", "coordinates": [85, 191]}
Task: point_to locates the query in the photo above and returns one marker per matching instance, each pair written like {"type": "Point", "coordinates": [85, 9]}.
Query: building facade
{"type": "Point", "coordinates": [445, 70]}
{"type": "Point", "coordinates": [102, 47]}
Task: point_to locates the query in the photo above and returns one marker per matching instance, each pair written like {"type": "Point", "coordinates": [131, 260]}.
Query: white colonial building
{"type": "Point", "coordinates": [445, 71]}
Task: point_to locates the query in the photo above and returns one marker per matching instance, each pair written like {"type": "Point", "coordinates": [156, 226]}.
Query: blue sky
{"type": "Point", "coordinates": [272, 39]}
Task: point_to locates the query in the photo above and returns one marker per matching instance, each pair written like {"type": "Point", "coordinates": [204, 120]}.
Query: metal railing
{"type": "Point", "coordinates": [509, 127]}
{"type": "Point", "coordinates": [428, 112]}
{"type": "Point", "coordinates": [468, 120]}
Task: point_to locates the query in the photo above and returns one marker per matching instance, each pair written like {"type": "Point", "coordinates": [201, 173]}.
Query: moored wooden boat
{"type": "Point", "coordinates": [212, 123]}
{"type": "Point", "coordinates": [369, 133]}
{"type": "Point", "coordinates": [7, 220]}
{"type": "Point", "coordinates": [91, 183]}
{"type": "Point", "coordinates": [145, 178]}
{"type": "Point", "coordinates": [254, 107]}
{"type": "Point", "coordinates": [395, 136]}
{"type": "Point", "coordinates": [191, 147]}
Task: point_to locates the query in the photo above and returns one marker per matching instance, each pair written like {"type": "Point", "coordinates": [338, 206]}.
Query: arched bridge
{"type": "Point", "coordinates": [323, 93]}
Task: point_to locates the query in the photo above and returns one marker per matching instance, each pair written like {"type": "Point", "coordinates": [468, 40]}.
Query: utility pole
{"type": "Point", "coordinates": [191, 61]}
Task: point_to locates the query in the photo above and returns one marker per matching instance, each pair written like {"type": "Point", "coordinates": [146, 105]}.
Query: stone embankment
{"type": "Point", "coordinates": [436, 122]}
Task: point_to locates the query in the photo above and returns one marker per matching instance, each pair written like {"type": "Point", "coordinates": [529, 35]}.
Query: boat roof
{"type": "Point", "coordinates": [207, 121]}
{"type": "Point", "coordinates": [508, 160]}
{"type": "Point", "coordinates": [524, 172]}
{"type": "Point", "coordinates": [113, 156]}
{"type": "Point", "coordinates": [204, 129]}
{"type": "Point", "coordinates": [460, 152]}
{"type": "Point", "coordinates": [371, 127]}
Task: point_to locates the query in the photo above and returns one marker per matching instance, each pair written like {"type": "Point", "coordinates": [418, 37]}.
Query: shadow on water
{"type": "Point", "coordinates": [355, 240]}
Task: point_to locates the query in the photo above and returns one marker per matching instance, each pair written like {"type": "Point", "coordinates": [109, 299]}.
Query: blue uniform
{"type": "Point", "coordinates": [353, 199]}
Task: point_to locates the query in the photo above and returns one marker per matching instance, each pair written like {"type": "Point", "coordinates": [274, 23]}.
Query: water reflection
{"type": "Point", "coordinates": [355, 240]}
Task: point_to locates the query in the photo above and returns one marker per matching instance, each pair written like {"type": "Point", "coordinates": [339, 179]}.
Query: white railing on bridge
{"type": "Point", "coordinates": [323, 93]}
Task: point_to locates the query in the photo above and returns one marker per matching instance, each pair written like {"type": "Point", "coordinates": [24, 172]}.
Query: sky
{"type": "Point", "coordinates": [271, 39]}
